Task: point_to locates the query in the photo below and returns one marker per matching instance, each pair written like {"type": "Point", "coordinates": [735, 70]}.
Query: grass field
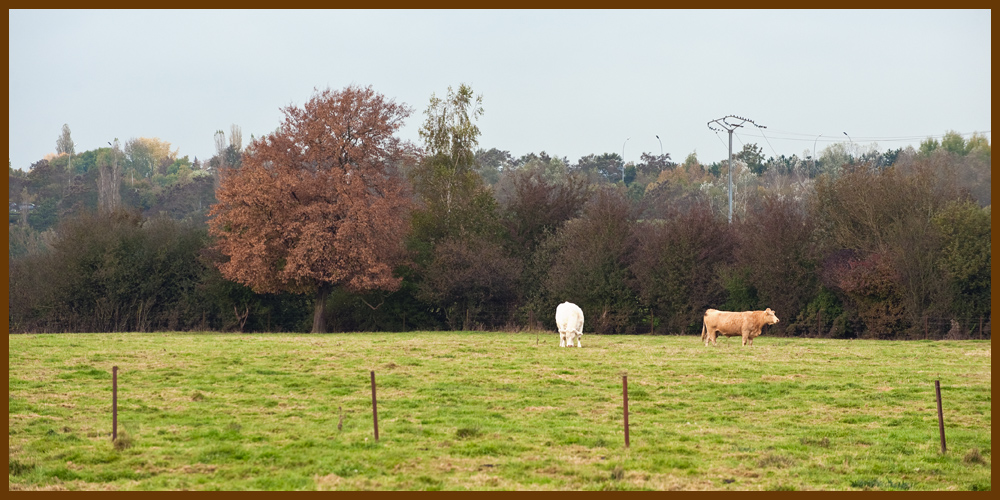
{"type": "Point", "coordinates": [483, 411]}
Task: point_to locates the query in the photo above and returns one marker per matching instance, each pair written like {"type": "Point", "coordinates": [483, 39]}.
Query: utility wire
{"type": "Point", "coordinates": [769, 143]}
{"type": "Point", "coordinates": [720, 139]}
{"type": "Point", "coordinates": [832, 137]}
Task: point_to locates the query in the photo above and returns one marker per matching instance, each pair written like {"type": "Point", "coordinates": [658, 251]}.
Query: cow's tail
{"type": "Point", "coordinates": [704, 330]}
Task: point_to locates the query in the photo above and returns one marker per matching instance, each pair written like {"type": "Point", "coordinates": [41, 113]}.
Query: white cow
{"type": "Point", "coordinates": [569, 321]}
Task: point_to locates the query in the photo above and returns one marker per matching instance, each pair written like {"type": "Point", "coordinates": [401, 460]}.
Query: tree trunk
{"type": "Point", "coordinates": [319, 318]}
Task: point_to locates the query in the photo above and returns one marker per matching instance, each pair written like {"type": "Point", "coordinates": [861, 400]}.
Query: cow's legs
{"type": "Point", "coordinates": [578, 339]}
{"type": "Point", "coordinates": [562, 339]}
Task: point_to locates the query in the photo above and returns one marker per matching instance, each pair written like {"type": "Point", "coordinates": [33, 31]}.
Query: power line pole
{"type": "Point", "coordinates": [728, 123]}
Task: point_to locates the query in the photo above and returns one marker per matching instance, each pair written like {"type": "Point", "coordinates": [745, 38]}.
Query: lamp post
{"type": "Point", "coordinates": [661, 145]}
{"type": "Point", "coordinates": [623, 160]}
{"type": "Point", "coordinates": [852, 146]}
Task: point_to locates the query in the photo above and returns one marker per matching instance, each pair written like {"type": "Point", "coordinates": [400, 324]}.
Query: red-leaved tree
{"type": "Point", "coordinates": [318, 203]}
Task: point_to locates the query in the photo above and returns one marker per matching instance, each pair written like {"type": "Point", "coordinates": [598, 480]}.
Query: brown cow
{"type": "Point", "coordinates": [746, 324]}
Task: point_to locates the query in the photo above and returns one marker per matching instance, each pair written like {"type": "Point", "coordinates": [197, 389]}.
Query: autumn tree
{"type": "Point", "coordinates": [535, 205]}
{"type": "Point", "coordinates": [318, 203]}
{"type": "Point", "coordinates": [775, 252]}
{"type": "Point", "coordinates": [549, 169]}
{"type": "Point", "coordinates": [144, 154]}
{"type": "Point", "coordinates": [109, 184]}
{"type": "Point", "coordinates": [606, 167]}
{"type": "Point", "coordinates": [753, 156]}
{"type": "Point", "coordinates": [228, 155]}
{"type": "Point", "coordinates": [651, 165]}
{"type": "Point", "coordinates": [882, 222]}
{"type": "Point", "coordinates": [454, 199]}
{"type": "Point", "coordinates": [457, 230]}
{"type": "Point", "coordinates": [491, 164]}
{"type": "Point", "coordinates": [64, 145]}
{"type": "Point", "coordinates": [966, 254]}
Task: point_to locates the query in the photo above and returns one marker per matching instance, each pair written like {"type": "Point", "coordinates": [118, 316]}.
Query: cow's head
{"type": "Point", "coordinates": [769, 316]}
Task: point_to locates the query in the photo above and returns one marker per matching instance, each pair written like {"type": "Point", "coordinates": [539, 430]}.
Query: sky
{"type": "Point", "coordinates": [570, 83]}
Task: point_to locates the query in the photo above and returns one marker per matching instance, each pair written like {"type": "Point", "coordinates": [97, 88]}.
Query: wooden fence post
{"type": "Point", "coordinates": [114, 404]}
{"type": "Point", "coordinates": [625, 401]}
{"type": "Point", "coordinates": [374, 409]}
{"type": "Point", "coordinates": [937, 388]}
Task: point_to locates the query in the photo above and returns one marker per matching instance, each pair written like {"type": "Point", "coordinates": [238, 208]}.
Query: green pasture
{"type": "Point", "coordinates": [485, 411]}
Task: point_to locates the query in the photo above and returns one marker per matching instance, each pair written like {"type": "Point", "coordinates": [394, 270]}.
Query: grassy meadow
{"type": "Point", "coordinates": [486, 411]}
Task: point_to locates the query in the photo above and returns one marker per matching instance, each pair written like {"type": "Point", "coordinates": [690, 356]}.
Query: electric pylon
{"type": "Point", "coordinates": [728, 126]}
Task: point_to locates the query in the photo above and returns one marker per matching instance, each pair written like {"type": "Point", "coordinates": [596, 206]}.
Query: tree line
{"type": "Point", "coordinates": [332, 223]}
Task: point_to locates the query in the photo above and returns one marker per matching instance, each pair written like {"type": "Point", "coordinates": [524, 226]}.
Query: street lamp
{"type": "Point", "coordinates": [661, 145]}
{"type": "Point", "coordinates": [852, 146]}
{"type": "Point", "coordinates": [623, 161]}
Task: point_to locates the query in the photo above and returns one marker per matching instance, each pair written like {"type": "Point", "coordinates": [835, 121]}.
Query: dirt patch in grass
{"type": "Point", "coordinates": [29, 416]}
{"type": "Point", "coordinates": [580, 455]}
{"type": "Point", "coordinates": [449, 464]}
{"type": "Point", "coordinates": [774, 460]}
{"type": "Point", "coordinates": [979, 352]}
{"type": "Point", "coordinates": [744, 472]}
{"type": "Point", "coordinates": [484, 480]}
{"type": "Point", "coordinates": [777, 378]}
{"type": "Point", "coordinates": [328, 482]}
{"type": "Point", "coordinates": [196, 469]}
{"type": "Point", "coordinates": [670, 482]}
{"type": "Point", "coordinates": [53, 398]}
{"type": "Point", "coordinates": [32, 487]}
{"type": "Point", "coordinates": [729, 381]}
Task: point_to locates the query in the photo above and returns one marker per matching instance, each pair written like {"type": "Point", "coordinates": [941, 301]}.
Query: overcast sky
{"type": "Point", "coordinates": [569, 83]}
